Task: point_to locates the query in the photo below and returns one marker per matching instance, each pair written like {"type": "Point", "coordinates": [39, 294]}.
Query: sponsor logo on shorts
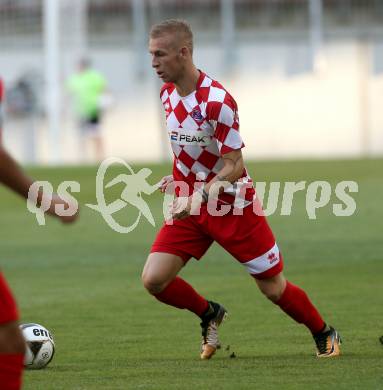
{"type": "Point", "coordinates": [272, 257]}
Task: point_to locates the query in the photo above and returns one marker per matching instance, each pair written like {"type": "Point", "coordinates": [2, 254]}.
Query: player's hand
{"type": "Point", "coordinates": [62, 204]}
{"type": "Point", "coordinates": [166, 183]}
{"type": "Point", "coordinates": [182, 207]}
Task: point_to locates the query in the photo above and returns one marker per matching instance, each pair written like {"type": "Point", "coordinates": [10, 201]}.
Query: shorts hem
{"type": "Point", "coordinates": [164, 249]}
{"type": "Point", "coordinates": [277, 269]}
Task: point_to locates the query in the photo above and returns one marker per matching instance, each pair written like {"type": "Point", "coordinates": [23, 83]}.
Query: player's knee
{"type": "Point", "coordinates": [11, 339]}
{"type": "Point", "coordinates": [152, 284]}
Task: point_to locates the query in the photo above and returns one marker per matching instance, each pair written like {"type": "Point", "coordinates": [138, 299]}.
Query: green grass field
{"type": "Point", "coordinates": [83, 283]}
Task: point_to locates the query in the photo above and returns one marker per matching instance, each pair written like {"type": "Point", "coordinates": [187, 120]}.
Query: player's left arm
{"type": "Point", "coordinates": [230, 172]}
{"type": "Point", "coordinates": [223, 116]}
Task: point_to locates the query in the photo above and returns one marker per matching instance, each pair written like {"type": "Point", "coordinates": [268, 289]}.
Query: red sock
{"type": "Point", "coordinates": [182, 295]}
{"type": "Point", "coordinates": [11, 370]}
{"type": "Point", "coordinates": [298, 306]}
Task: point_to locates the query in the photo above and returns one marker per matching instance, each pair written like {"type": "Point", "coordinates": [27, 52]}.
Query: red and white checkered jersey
{"type": "Point", "coordinates": [202, 127]}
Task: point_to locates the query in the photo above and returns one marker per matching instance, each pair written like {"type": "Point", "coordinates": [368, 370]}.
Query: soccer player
{"type": "Point", "coordinates": [12, 344]}
{"type": "Point", "coordinates": [202, 121]}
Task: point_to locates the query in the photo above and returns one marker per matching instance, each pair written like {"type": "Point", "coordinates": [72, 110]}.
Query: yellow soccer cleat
{"type": "Point", "coordinates": [210, 342]}
{"type": "Point", "coordinates": [328, 343]}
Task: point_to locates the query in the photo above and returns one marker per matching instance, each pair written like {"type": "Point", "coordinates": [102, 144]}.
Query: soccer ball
{"type": "Point", "coordinates": [40, 346]}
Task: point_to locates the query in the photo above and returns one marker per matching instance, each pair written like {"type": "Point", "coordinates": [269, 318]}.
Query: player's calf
{"type": "Point", "coordinates": [273, 287]}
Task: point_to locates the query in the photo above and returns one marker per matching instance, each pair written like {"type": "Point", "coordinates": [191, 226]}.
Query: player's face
{"type": "Point", "coordinates": [167, 58]}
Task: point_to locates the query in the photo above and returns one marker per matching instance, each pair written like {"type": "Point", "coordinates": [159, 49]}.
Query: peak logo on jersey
{"type": "Point", "coordinates": [173, 136]}
{"type": "Point", "coordinates": [196, 115]}
{"type": "Point", "coordinates": [199, 138]}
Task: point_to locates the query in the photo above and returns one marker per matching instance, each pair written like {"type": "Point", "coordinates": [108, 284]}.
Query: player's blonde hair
{"type": "Point", "coordinates": [178, 27]}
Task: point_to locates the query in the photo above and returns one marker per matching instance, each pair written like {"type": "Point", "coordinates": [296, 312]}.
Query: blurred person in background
{"type": "Point", "coordinates": [88, 88]}
{"type": "Point", "coordinates": [203, 126]}
{"type": "Point", "coordinates": [12, 344]}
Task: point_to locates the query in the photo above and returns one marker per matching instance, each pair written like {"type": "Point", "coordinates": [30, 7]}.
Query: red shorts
{"type": "Point", "coordinates": [8, 308]}
{"type": "Point", "coordinates": [247, 237]}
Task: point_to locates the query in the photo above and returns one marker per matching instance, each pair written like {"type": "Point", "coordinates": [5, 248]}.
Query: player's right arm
{"type": "Point", "coordinates": [165, 182]}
